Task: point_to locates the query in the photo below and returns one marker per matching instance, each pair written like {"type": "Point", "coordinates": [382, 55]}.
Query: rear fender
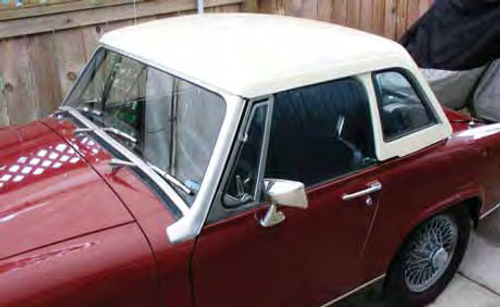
{"type": "Point", "coordinates": [463, 197]}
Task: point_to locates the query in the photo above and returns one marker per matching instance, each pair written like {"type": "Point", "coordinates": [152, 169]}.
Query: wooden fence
{"type": "Point", "coordinates": [41, 56]}
{"type": "Point", "coordinates": [389, 18]}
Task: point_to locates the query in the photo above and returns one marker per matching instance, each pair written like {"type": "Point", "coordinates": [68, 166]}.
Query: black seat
{"type": "Point", "coordinates": [304, 143]}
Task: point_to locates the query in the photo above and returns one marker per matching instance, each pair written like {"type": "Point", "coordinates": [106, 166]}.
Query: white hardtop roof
{"type": "Point", "coordinates": [252, 55]}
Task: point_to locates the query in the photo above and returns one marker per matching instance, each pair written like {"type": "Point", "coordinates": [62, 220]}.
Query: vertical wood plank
{"type": "Point", "coordinates": [378, 17]}
{"type": "Point", "coordinates": [413, 12]}
{"type": "Point", "coordinates": [353, 12]}
{"type": "Point", "coordinates": [46, 88]}
{"type": "Point", "coordinates": [91, 36]}
{"type": "Point", "coordinates": [70, 56]}
{"type": "Point", "coordinates": [339, 13]}
{"type": "Point", "coordinates": [390, 18]}
{"type": "Point", "coordinates": [18, 88]}
{"type": "Point", "coordinates": [366, 16]}
{"type": "Point", "coordinates": [401, 16]}
{"type": "Point", "coordinates": [302, 8]}
{"type": "Point", "coordinates": [4, 117]}
{"type": "Point", "coordinates": [250, 6]}
{"type": "Point", "coordinates": [269, 6]}
{"type": "Point", "coordinates": [325, 10]}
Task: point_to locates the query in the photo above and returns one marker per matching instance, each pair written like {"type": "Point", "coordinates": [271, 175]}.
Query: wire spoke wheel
{"type": "Point", "coordinates": [430, 253]}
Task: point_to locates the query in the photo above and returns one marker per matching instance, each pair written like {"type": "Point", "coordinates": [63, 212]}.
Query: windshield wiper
{"type": "Point", "coordinates": [110, 130]}
{"type": "Point", "coordinates": [89, 110]}
{"type": "Point", "coordinates": [171, 179]}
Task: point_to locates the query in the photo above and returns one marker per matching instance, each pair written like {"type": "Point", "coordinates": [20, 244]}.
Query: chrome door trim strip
{"type": "Point", "coordinates": [335, 300]}
{"type": "Point", "coordinates": [489, 211]}
{"type": "Point", "coordinates": [176, 199]}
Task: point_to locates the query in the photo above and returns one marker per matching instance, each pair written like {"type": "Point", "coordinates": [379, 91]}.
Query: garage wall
{"type": "Point", "coordinates": [41, 55]}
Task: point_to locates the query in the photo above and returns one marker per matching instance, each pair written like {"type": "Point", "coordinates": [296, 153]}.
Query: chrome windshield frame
{"type": "Point", "coordinates": [193, 218]}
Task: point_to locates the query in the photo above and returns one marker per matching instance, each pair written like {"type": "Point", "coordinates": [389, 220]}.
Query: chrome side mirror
{"type": "Point", "coordinates": [285, 193]}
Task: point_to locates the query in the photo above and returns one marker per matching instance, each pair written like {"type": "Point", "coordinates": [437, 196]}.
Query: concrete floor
{"type": "Point", "coordinates": [478, 282]}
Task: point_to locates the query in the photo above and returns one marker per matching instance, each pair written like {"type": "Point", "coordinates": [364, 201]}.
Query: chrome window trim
{"type": "Point", "coordinates": [190, 225]}
{"type": "Point", "coordinates": [253, 105]}
{"type": "Point", "coordinates": [218, 204]}
{"type": "Point", "coordinates": [265, 145]}
{"type": "Point", "coordinates": [343, 296]}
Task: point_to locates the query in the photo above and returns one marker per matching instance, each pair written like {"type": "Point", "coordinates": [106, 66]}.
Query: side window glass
{"type": "Point", "coordinates": [243, 182]}
{"type": "Point", "coordinates": [402, 110]}
{"type": "Point", "coordinates": [320, 132]}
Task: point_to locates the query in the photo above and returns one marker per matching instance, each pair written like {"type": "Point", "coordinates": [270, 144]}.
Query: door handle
{"type": "Point", "coordinates": [373, 187]}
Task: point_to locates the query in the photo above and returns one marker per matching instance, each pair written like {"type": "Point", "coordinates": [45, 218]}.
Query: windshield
{"type": "Point", "coordinates": [169, 122]}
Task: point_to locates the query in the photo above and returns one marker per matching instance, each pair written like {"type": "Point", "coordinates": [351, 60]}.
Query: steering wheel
{"type": "Point", "coordinates": [238, 190]}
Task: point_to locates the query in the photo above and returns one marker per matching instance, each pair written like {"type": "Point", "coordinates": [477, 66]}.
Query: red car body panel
{"type": "Point", "coordinates": [44, 199]}
{"type": "Point", "coordinates": [82, 233]}
{"type": "Point", "coordinates": [333, 246]}
{"type": "Point", "coordinates": [107, 268]}
{"type": "Point", "coordinates": [290, 264]}
{"type": "Point", "coordinates": [149, 211]}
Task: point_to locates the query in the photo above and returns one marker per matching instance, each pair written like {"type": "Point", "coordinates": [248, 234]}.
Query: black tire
{"type": "Point", "coordinates": [396, 289]}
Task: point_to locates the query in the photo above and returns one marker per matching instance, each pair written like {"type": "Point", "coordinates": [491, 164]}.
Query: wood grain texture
{"type": "Point", "coordinates": [43, 68]}
{"type": "Point", "coordinates": [70, 20]}
{"type": "Point", "coordinates": [325, 10]}
{"type": "Point", "coordinates": [232, 8]}
{"type": "Point", "coordinates": [110, 26]}
{"type": "Point", "coordinates": [339, 13]}
{"type": "Point", "coordinates": [19, 91]}
{"type": "Point", "coordinates": [401, 16]}
{"type": "Point", "coordinates": [57, 9]}
{"type": "Point", "coordinates": [250, 6]}
{"type": "Point", "coordinates": [301, 8]}
{"type": "Point", "coordinates": [353, 13]}
{"type": "Point", "coordinates": [4, 117]}
{"type": "Point", "coordinates": [269, 6]}
{"type": "Point", "coordinates": [90, 36]}
{"type": "Point", "coordinates": [391, 7]}
{"type": "Point", "coordinates": [70, 55]}
{"type": "Point", "coordinates": [366, 16]}
{"type": "Point", "coordinates": [378, 17]}
{"type": "Point", "coordinates": [413, 12]}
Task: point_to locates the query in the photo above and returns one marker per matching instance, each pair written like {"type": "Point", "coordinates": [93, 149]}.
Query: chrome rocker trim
{"type": "Point", "coordinates": [339, 298]}
{"type": "Point", "coordinates": [489, 211]}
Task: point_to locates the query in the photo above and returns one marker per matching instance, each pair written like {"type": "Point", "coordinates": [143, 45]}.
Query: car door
{"type": "Point", "coordinates": [320, 135]}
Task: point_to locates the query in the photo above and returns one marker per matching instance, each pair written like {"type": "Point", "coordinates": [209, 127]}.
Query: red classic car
{"type": "Point", "coordinates": [241, 160]}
